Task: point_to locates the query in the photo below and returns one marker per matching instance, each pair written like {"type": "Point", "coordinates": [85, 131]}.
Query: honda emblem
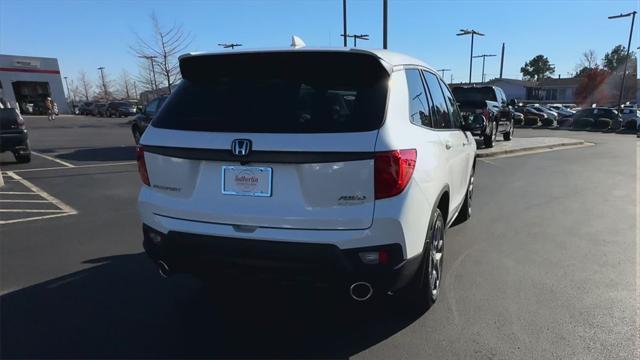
{"type": "Point", "coordinates": [241, 147]}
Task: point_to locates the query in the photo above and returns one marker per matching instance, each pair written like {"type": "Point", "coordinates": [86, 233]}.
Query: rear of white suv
{"type": "Point", "coordinates": [307, 165]}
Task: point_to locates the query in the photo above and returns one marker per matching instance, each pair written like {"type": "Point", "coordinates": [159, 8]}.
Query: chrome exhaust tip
{"type": "Point", "coordinates": [361, 291]}
{"type": "Point", "coordinates": [163, 269]}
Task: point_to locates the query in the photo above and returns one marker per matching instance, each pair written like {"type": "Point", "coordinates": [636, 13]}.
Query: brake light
{"type": "Point", "coordinates": [142, 165]}
{"type": "Point", "coordinates": [392, 172]}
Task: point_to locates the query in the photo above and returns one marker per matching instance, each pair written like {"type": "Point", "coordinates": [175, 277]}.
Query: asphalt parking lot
{"type": "Point", "coordinates": [546, 268]}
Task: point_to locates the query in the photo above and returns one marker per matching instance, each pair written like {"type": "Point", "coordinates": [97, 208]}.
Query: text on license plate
{"type": "Point", "coordinates": [246, 180]}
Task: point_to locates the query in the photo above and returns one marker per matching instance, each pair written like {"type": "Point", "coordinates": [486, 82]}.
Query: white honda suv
{"type": "Point", "coordinates": [336, 166]}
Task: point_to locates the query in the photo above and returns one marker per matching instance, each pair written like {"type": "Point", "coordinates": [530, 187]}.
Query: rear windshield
{"type": "Point", "coordinates": [463, 94]}
{"type": "Point", "coordinates": [278, 93]}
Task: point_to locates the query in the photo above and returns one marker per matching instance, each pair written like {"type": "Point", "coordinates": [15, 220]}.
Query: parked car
{"type": "Point", "coordinates": [142, 120]}
{"type": "Point", "coordinates": [98, 109]}
{"type": "Point", "coordinates": [487, 110]}
{"type": "Point", "coordinates": [528, 112]}
{"type": "Point", "coordinates": [85, 108]}
{"type": "Point", "coordinates": [560, 110]}
{"type": "Point", "coordinates": [14, 136]}
{"type": "Point", "coordinates": [550, 114]}
{"type": "Point", "coordinates": [630, 114]}
{"type": "Point", "coordinates": [596, 113]}
{"type": "Point", "coordinates": [287, 186]}
{"type": "Point", "coordinates": [120, 109]}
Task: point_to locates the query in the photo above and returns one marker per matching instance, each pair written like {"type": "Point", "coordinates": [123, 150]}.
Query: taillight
{"type": "Point", "coordinates": [21, 124]}
{"type": "Point", "coordinates": [392, 172]}
{"type": "Point", "coordinates": [142, 165]}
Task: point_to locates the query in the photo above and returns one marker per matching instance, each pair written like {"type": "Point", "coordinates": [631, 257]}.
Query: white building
{"type": "Point", "coordinates": [26, 81]}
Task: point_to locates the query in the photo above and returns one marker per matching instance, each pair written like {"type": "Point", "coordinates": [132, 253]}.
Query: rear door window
{"type": "Point", "coordinates": [439, 109]}
{"type": "Point", "coordinates": [419, 112]}
{"type": "Point", "coordinates": [454, 112]}
{"type": "Point", "coordinates": [286, 92]}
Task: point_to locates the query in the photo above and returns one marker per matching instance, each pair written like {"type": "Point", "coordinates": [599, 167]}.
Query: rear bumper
{"type": "Point", "coordinates": [303, 263]}
{"type": "Point", "coordinates": [13, 140]}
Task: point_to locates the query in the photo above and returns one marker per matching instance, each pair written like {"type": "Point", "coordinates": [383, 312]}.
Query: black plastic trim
{"type": "Point", "coordinates": [288, 157]}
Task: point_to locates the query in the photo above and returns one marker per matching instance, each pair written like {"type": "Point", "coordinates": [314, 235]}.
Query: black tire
{"type": "Point", "coordinates": [22, 158]}
{"type": "Point", "coordinates": [489, 139]}
{"type": "Point", "coordinates": [423, 290]}
{"type": "Point", "coordinates": [465, 211]}
{"type": "Point", "coordinates": [509, 134]}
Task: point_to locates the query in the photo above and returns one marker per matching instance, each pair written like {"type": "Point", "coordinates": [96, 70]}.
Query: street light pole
{"type": "Point", "coordinates": [104, 85]}
{"type": "Point", "coordinates": [442, 71]}
{"type": "Point", "coordinates": [626, 61]}
{"type": "Point", "coordinates": [66, 81]}
{"type": "Point", "coordinates": [472, 33]}
{"type": "Point", "coordinates": [484, 56]}
{"type": "Point", "coordinates": [385, 10]}
{"type": "Point", "coordinates": [344, 22]}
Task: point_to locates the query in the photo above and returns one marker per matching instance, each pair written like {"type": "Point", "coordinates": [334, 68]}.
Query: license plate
{"type": "Point", "coordinates": [246, 181]}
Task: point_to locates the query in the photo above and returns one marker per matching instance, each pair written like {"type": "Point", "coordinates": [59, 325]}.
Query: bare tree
{"type": "Point", "coordinates": [144, 78]}
{"type": "Point", "coordinates": [85, 84]}
{"type": "Point", "coordinates": [164, 47]}
{"type": "Point", "coordinates": [588, 61]}
{"type": "Point", "coordinates": [125, 85]}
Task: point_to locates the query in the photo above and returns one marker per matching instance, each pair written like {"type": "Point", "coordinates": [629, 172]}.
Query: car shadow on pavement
{"type": "Point", "coordinates": [114, 153]}
{"type": "Point", "coordinates": [121, 308]}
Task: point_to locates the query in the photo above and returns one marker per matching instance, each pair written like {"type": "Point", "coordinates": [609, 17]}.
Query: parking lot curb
{"type": "Point", "coordinates": [526, 149]}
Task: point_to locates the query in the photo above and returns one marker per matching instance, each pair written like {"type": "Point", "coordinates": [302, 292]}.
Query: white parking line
{"type": "Point", "coordinates": [17, 193]}
{"type": "Point", "coordinates": [75, 167]}
{"type": "Point", "coordinates": [64, 209]}
{"type": "Point", "coordinates": [53, 159]}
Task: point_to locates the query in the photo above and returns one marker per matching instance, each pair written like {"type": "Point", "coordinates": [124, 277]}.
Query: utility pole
{"type": "Point", "coordinates": [502, 61]}
{"type": "Point", "coordinates": [442, 71]}
{"type": "Point", "coordinates": [385, 11]}
{"type": "Point", "coordinates": [153, 69]}
{"type": "Point", "coordinates": [626, 61]}
{"type": "Point", "coordinates": [104, 85]}
{"type": "Point", "coordinates": [344, 22]}
{"type": "Point", "coordinates": [472, 33]}
{"type": "Point", "coordinates": [73, 103]}
{"type": "Point", "coordinates": [483, 56]}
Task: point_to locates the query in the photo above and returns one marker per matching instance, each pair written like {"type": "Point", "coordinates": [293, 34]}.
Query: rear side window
{"type": "Point", "coordinates": [418, 103]}
{"type": "Point", "coordinates": [454, 112]}
{"type": "Point", "coordinates": [280, 92]}
{"type": "Point", "coordinates": [439, 104]}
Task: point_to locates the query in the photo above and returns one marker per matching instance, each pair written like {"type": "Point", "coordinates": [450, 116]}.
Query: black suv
{"type": "Point", "coordinates": [13, 135]}
{"type": "Point", "coordinates": [486, 112]}
{"type": "Point", "coordinates": [142, 120]}
{"type": "Point", "coordinates": [120, 109]}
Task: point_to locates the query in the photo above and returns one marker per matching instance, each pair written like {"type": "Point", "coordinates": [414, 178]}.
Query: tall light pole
{"type": "Point", "coordinates": [484, 56]}
{"type": "Point", "coordinates": [73, 103]}
{"type": "Point", "coordinates": [626, 61]}
{"type": "Point", "coordinates": [104, 84]}
{"type": "Point", "coordinates": [442, 71]}
{"type": "Point", "coordinates": [344, 22]}
{"type": "Point", "coordinates": [385, 10]}
{"type": "Point", "coordinates": [153, 69]}
{"type": "Point", "coordinates": [472, 33]}
{"type": "Point", "coordinates": [501, 60]}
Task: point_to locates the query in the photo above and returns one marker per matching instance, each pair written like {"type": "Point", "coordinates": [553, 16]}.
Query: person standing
{"type": "Point", "coordinates": [50, 109]}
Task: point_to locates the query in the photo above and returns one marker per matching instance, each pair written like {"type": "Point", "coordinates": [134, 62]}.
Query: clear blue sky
{"type": "Point", "coordinates": [87, 34]}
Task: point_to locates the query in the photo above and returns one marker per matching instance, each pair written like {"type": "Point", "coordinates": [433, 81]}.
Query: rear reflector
{"type": "Point", "coordinates": [142, 165]}
{"type": "Point", "coordinates": [392, 171]}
